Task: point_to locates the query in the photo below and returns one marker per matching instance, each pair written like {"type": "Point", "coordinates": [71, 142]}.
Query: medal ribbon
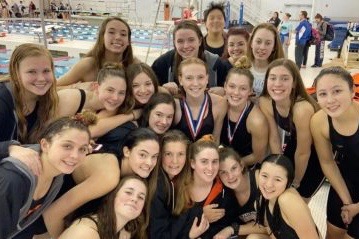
{"type": "Point", "coordinates": [229, 134]}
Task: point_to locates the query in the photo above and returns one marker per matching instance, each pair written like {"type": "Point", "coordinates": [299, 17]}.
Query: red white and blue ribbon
{"type": "Point", "coordinates": [230, 135]}
{"type": "Point", "coordinates": [195, 128]}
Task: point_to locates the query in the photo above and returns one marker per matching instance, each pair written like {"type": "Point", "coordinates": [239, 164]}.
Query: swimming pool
{"type": "Point", "coordinates": [139, 36]}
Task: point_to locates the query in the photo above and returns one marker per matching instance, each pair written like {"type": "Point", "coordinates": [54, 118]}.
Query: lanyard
{"type": "Point", "coordinates": [229, 134]}
{"type": "Point", "coordinates": [195, 127]}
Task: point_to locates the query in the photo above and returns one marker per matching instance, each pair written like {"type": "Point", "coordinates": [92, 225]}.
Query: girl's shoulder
{"type": "Point", "coordinates": [82, 228]}
{"type": "Point", "coordinates": [289, 198]}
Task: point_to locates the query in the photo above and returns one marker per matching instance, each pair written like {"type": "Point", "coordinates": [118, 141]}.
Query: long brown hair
{"type": "Point", "coordinates": [183, 179]}
{"type": "Point", "coordinates": [277, 49]}
{"type": "Point", "coordinates": [98, 50]}
{"type": "Point", "coordinates": [106, 217]}
{"type": "Point", "coordinates": [47, 103]}
{"type": "Point", "coordinates": [299, 92]}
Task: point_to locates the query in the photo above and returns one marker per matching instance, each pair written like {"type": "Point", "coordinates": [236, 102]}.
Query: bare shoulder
{"type": "Point", "coordinates": [265, 104]}
{"type": "Point", "coordinates": [81, 228]}
{"type": "Point", "coordinates": [289, 197]}
{"type": "Point", "coordinates": [303, 109]}
{"type": "Point", "coordinates": [319, 121]}
{"type": "Point", "coordinates": [256, 117]}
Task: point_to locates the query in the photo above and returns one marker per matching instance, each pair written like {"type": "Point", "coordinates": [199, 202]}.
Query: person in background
{"type": "Point", "coordinates": [263, 48]}
{"type": "Point", "coordinates": [335, 129]}
{"type": "Point", "coordinates": [303, 33]}
{"type": "Point", "coordinates": [123, 208]}
{"type": "Point", "coordinates": [214, 18]}
{"type": "Point", "coordinates": [285, 32]}
{"type": "Point", "coordinates": [279, 205]}
{"type": "Point", "coordinates": [237, 45]}
{"type": "Point", "coordinates": [275, 19]}
{"type": "Point", "coordinates": [319, 48]}
{"type": "Point", "coordinates": [24, 196]}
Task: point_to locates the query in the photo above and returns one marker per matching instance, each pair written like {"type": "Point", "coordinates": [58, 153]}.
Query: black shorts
{"type": "Point", "coordinates": [334, 211]}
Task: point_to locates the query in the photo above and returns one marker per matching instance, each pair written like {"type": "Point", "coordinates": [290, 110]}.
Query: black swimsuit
{"type": "Point", "coordinates": [313, 177]}
{"type": "Point", "coordinates": [207, 126]}
{"type": "Point", "coordinates": [346, 149]}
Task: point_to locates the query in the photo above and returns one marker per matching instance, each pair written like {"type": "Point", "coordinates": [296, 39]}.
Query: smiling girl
{"type": "Point", "coordinates": [24, 196]}
{"type": "Point", "coordinates": [188, 42]}
{"type": "Point", "coordinates": [112, 45]}
{"type": "Point", "coordinates": [124, 207]}
{"type": "Point", "coordinates": [280, 206]}
{"type": "Point", "coordinates": [335, 129]}
{"type": "Point", "coordinates": [28, 101]}
{"type": "Point", "coordinates": [245, 128]}
{"type": "Point", "coordinates": [237, 45]}
{"type": "Point", "coordinates": [288, 109]}
{"type": "Point", "coordinates": [264, 46]}
{"type": "Point", "coordinates": [198, 113]}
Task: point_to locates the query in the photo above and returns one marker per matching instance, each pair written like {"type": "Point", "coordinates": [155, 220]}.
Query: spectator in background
{"type": "Point", "coordinates": [285, 30]}
{"type": "Point", "coordinates": [319, 48]}
{"type": "Point", "coordinates": [275, 19]}
{"type": "Point", "coordinates": [32, 8]}
{"type": "Point", "coordinates": [303, 33]}
{"type": "Point", "coordinates": [22, 8]}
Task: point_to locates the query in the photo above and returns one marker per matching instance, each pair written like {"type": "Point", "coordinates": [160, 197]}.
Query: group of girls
{"type": "Point", "coordinates": [133, 125]}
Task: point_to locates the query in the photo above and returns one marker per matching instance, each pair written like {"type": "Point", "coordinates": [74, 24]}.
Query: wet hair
{"type": "Point", "coordinates": [261, 203]}
{"type": "Point", "coordinates": [190, 25]}
{"type": "Point", "coordinates": [106, 217]}
{"type": "Point", "coordinates": [98, 50]}
{"type": "Point", "coordinates": [156, 99]}
{"type": "Point", "coordinates": [318, 16]}
{"type": "Point", "coordinates": [211, 7]}
{"type": "Point", "coordinates": [277, 51]}
{"type": "Point", "coordinates": [47, 104]}
{"type": "Point", "coordinates": [183, 179]}
{"type": "Point", "coordinates": [134, 70]}
{"type": "Point", "coordinates": [338, 71]}
{"type": "Point", "coordinates": [228, 152]}
{"type": "Point", "coordinates": [111, 69]}
{"type": "Point", "coordinates": [80, 121]}
{"type": "Point", "coordinates": [234, 31]}
{"type": "Point", "coordinates": [242, 67]}
{"type": "Point", "coordinates": [298, 92]}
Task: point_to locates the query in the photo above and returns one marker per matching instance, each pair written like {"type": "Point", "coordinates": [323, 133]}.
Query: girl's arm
{"type": "Point", "coordinates": [257, 126]}
{"type": "Point", "coordinates": [265, 105]}
{"type": "Point", "coordinates": [81, 228]}
{"type": "Point", "coordinates": [296, 213]}
{"type": "Point", "coordinates": [105, 124]}
{"type": "Point", "coordinates": [302, 113]}
{"type": "Point", "coordinates": [96, 176]}
{"type": "Point", "coordinates": [319, 127]}
{"type": "Point", "coordinates": [84, 70]}
{"type": "Point", "coordinates": [219, 112]}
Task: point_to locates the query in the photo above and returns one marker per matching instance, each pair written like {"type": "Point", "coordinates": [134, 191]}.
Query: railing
{"type": "Point", "coordinates": [253, 12]}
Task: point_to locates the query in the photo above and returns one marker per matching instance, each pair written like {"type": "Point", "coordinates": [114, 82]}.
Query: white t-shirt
{"type": "Point", "coordinates": [258, 82]}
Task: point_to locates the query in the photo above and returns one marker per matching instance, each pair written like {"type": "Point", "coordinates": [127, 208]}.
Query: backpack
{"type": "Point", "coordinates": [314, 37]}
{"type": "Point", "coordinates": [329, 34]}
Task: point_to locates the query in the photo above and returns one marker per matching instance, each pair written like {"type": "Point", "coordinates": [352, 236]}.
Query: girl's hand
{"type": "Point", "coordinates": [172, 87]}
{"type": "Point", "coordinates": [197, 231]}
{"type": "Point", "coordinates": [224, 233]}
{"type": "Point", "coordinates": [213, 213]}
{"type": "Point", "coordinates": [349, 211]}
